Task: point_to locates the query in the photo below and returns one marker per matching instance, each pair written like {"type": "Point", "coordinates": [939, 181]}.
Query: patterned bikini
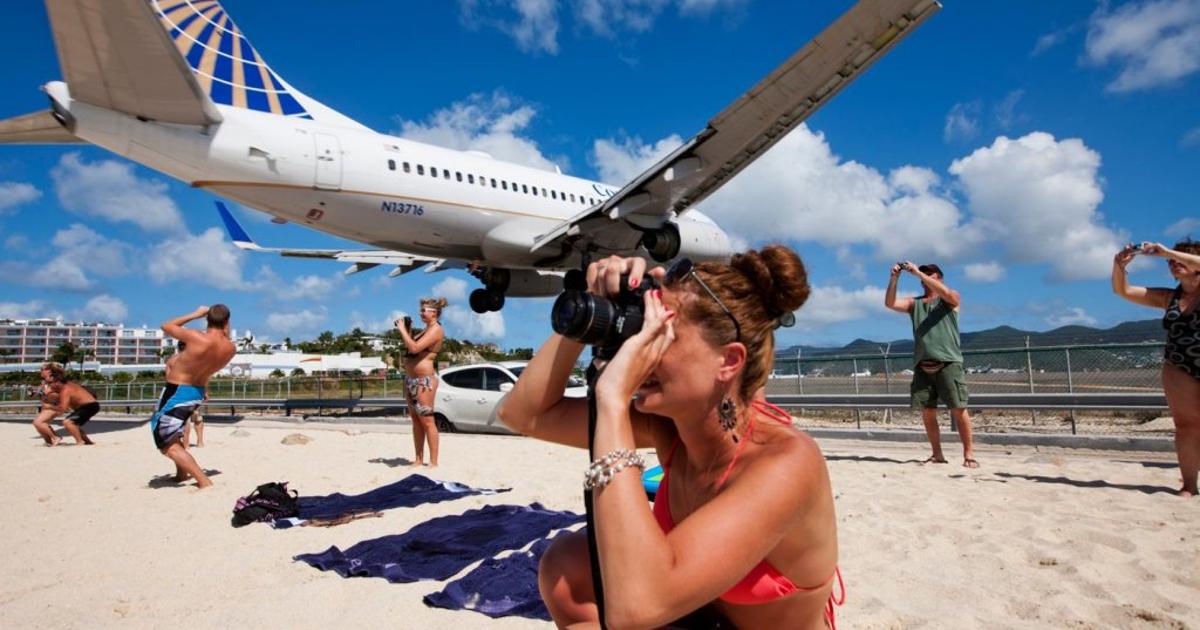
{"type": "Point", "coordinates": [413, 386]}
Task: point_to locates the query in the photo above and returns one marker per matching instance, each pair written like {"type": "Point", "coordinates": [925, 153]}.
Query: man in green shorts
{"type": "Point", "coordinates": [937, 355]}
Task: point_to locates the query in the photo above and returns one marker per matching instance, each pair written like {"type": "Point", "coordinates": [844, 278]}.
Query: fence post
{"type": "Point", "coordinates": [799, 372]}
{"type": "Point", "coordinates": [855, 364]}
{"type": "Point", "coordinates": [1070, 386]}
{"type": "Point", "coordinates": [1029, 372]}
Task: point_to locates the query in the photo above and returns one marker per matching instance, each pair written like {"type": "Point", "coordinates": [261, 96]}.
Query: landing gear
{"type": "Point", "coordinates": [486, 300]}
{"type": "Point", "coordinates": [490, 298]}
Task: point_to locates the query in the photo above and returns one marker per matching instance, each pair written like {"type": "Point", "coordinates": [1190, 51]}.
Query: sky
{"type": "Point", "coordinates": [1017, 149]}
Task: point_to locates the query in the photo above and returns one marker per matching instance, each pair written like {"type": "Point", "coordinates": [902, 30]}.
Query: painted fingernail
{"type": "Point", "coordinates": [633, 283]}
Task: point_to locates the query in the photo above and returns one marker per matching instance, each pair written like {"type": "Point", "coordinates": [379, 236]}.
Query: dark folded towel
{"type": "Point", "coordinates": [411, 491]}
{"type": "Point", "coordinates": [500, 587]}
{"type": "Point", "coordinates": [439, 548]}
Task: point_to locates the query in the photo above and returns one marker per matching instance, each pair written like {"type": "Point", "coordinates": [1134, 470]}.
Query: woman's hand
{"type": "Point", "coordinates": [604, 276]}
{"type": "Point", "coordinates": [1155, 249]}
{"type": "Point", "coordinates": [1126, 255]}
{"type": "Point", "coordinates": [639, 355]}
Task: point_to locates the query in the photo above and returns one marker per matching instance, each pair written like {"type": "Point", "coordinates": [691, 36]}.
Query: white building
{"type": "Point", "coordinates": [246, 365]}
{"type": "Point", "coordinates": [32, 341]}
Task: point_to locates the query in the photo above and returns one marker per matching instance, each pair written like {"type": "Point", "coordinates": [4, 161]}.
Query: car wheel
{"type": "Point", "coordinates": [443, 424]}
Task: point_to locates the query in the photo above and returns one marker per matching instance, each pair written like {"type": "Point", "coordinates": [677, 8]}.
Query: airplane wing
{"type": "Point", "coordinates": [115, 54]}
{"type": "Point", "coordinates": [361, 259]}
{"type": "Point", "coordinates": [751, 125]}
{"type": "Point", "coordinates": [36, 128]}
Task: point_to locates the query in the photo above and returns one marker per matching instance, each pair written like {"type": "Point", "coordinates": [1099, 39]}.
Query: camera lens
{"type": "Point", "coordinates": [581, 316]}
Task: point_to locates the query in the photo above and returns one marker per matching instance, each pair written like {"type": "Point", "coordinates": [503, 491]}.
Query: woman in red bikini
{"type": "Point", "coordinates": [743, 532]}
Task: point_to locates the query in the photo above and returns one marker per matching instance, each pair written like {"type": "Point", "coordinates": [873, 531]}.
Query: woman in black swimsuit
{"type": "Point", "coordinates": [1181, 359]}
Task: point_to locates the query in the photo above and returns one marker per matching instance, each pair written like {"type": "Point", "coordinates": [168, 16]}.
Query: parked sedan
{"type": "Point", "coordinates": [468, 394]}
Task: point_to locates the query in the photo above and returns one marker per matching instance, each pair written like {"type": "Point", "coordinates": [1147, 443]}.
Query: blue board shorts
{"type": "Point", "coordinates": [176, 405]}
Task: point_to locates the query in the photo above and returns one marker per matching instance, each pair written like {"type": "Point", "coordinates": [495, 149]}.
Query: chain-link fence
{"type": "Point", "coordinates": [1099, 368]}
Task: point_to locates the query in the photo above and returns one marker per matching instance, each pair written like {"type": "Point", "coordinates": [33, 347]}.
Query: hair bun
{"type": "Point", "coordinates": [778, 275]}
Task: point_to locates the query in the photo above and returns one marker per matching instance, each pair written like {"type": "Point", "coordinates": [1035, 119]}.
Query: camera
{"type": "Point", "coordinates": [902, 265]}
{"type": "Point", "coordinates": [603, 322]}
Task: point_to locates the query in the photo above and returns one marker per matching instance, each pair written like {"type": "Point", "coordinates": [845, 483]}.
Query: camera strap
{"type": "Point", "coordinates": [593, 372]}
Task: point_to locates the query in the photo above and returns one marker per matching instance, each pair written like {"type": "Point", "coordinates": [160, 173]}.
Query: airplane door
{"type": "Point", "coordinates": [329, 162]}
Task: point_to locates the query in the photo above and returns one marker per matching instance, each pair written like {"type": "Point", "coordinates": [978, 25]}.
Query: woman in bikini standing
{"type": "Point", "coordinates": [1181, 358]}
{"type": "Point", "coordinates": [420, 376]}
{"type": "Point", "coordinates": [743, 532]}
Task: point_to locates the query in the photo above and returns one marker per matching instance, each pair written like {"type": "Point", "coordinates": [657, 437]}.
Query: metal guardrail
{"type": "Point", "coordinates": [287, 405]}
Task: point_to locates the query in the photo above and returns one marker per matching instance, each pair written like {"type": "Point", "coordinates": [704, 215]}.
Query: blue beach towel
{"type": "Point", "coordinates": [439, 548]}
{"type": "Point", "coordinates": [500, 587]}
{"type": "Point", "coordinates": [411, 491]}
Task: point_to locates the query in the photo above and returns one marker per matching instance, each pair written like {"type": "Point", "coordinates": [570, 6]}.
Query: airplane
{"type": "Point", "coordinates": [175, 86]}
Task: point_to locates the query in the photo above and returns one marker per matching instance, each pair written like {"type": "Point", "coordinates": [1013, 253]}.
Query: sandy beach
{"type": "Point", "coordinates": [1035, 538]}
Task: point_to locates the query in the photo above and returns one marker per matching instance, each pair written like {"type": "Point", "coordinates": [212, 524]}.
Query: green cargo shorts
{"type": "Point", "coordinates": [947, 385]}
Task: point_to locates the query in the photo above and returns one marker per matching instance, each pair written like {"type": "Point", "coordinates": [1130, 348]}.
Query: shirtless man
{"type": "Point", "coordinates": [52, 373]}
{"type": "Point", "coordinates": [420, 376]}
{"type": "Point", "coordinates": [81, 404]}
{"type": "Point", "coordinates": [196, 420]}
{"type": "Point", "coordinates": [207, 352]}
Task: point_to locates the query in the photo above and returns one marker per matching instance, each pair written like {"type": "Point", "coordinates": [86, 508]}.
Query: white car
{"type": "Point", "coordinates": [467, 395]}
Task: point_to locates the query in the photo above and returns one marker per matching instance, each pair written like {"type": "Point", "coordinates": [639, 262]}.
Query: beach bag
{"type": "Point", "coordinates": [267, 503]}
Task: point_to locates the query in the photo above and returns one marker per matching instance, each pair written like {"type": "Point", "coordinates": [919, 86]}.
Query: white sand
{"type": "Point", "coordinates": [87, 543]}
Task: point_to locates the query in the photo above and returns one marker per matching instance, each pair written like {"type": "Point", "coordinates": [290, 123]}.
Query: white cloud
{"type": "Point", "coordinates": [360, 321]}
{"type": "Point", "coordinates": [1072, 316]}
{"type": "Point", "coordinates": [619, 161]}
{"type": "Point", "coordinates": [305, 321]}
{"type": "Point", "coordinates": [462, 323]}
{"type": "Point", "coordinates": [1184, 227]}
{"type": "Point", "coordinates": [82, 253]}
{"type": "Point", "coordinates": [16, 243]}
{"type": "Point", "coordinates": [33, 309]}
{"type": "Point", "coordinates": [800, 190]}
{"type": "Point", "coordinates": [1006, 110]}
{"type": "Point", "coordinates": [1048, 41]}
{"type": "Point", "coordinates": [1039, 196]}
{"type": "Point", "coordinates": [197, 259]}
{"type": "Point", "coordinates": [307, 287]}
{"type": "Point", "coordinates": [832, 305]}
{"type": "Point", "coordinates": [482, 123]}
{"type": "Point", "coordinates": [105, 308]}
{"type": "Point", "coordinates": [962, 122]}
{"type": "Point", "coordinates": [990, 271]}
{"type": "Point", "coordinates": [608, 17]}
{"type": "Point", "coordinates": [13, 194]}
{"type": "Point", "coordinates": [1191, 138]}
{"type": "Point", "coordinates": [533, 24]}
{"type": "Point", "coordinates": [453, 289]}
{"type": "Point", "coordinates": [1154, 43]}
{"type": "Point", "coordinates": [110, 190]}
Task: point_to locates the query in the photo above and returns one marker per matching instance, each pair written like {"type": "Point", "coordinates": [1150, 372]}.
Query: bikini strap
{"type": "Point", "coordinates": [775, 413]}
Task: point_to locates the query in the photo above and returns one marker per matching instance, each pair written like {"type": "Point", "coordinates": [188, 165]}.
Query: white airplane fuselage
{"type": "Point", "coordinates": [368, 187]}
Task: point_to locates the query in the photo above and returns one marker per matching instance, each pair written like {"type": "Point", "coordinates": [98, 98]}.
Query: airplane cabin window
{"type": "Point", "coordinates": [420, 169]}
{"type": "Point", "coordinates": [572, 197]}
{"type": "Point", "coordinates": [504, 184]}
{"type": "Point", "coordinates": [391, 165]}
{"type": "Point", "coordinates": [524, 189]}
{"type": "Point", "coordinates": [482, 180]}
{"type": "Point", "coordinates": [553, 194]}
{"type": "Point", "coordinates": [470, 178]}
{"type": "Point", "coordinates": [493, 182]}
{"type": "Point", "coordinates": [514, 185]}
{"type": "Point", "coordinates": [407, 168]}
{"type": "Point", "coordinates": [458, 176]}
{"type": "Point", "coordinates": [544, 193]}
{"type": "Point", "coordinates": [446, 173]}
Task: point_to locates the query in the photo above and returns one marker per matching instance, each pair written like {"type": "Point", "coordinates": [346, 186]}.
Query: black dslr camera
{"type": "Point", "coordinates": [603, 322]}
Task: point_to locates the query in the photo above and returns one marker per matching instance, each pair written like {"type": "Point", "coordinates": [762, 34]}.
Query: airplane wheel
{"type": "Point", "coordinates": [575, 280]}
{"type": "Point", "coordinates": [495, 300]}
{"type": "Point", "coordinates": [480, 301]}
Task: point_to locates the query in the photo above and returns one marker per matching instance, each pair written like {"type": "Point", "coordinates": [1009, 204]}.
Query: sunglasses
{"type": "Point", "coordinates": [683, 268]}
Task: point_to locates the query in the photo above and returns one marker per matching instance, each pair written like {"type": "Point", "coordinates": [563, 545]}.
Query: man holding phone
{"type": "Point", "coordinates": [937, 355]}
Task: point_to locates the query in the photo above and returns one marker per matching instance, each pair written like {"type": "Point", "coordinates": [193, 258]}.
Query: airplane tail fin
{"type": "Point", "coordinates": [228, 68]}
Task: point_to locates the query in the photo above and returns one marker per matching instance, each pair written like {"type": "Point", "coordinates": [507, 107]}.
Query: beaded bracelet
{"type": "Point", "coordinates": [602, 471]}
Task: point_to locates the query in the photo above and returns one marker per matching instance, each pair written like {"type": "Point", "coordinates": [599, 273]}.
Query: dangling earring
{"type": "Point", "coordinates": [727, 415]}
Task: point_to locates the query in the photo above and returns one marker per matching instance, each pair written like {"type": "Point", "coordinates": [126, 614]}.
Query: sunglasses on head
{"type": "Point", "coordinates": [684, 268]}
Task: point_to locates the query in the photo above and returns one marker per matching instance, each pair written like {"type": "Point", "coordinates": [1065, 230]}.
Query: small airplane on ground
{"type": "Point", "coordinates": [175, 86]}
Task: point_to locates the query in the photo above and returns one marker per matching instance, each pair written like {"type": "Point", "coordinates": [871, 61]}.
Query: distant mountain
{"type": "Point", "coordinates": [1149, 330]}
